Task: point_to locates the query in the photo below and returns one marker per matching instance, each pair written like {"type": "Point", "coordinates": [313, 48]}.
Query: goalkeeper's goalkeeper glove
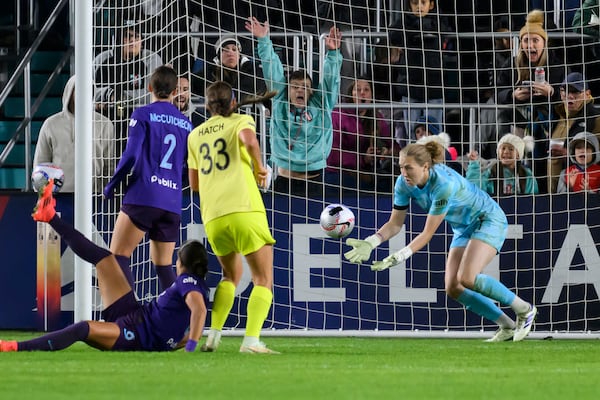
{"type": "Point", "coordinates": [361, 250]}
{"type": "Point", "coordinates": [393, 259]}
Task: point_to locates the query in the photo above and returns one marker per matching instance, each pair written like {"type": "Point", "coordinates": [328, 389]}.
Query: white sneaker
{"type": "Point", "coordinates": [212, 342]}
{"type": "Point", "coordinates": [524, 324]}
{"type": "Point", "coordinates": [258, 348]}
{"type": "Point", "coordinates": [502, 335]}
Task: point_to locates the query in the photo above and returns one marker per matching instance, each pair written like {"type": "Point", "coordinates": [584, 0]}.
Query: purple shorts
{"type": "Point", "coordinates": [161, 225]}
{"type": "Point", "coordinates": [127, 313]}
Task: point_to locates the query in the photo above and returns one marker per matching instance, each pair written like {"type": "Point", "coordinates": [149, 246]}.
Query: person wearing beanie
{"type": "Point", "coordinates": [427, 129]}
{"type": "Point", "coordinates": [508, 176]}
{"type": "Point", "coordinates": [232, 66]}
{"type": "Point", "coordinates": [575, 113]}
{"type": "Point", "coordinates": [583, 173]}
{"type": "Point", "coordinates": [531, 100]}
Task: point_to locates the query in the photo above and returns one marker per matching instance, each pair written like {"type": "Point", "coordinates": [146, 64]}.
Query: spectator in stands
{"type": "Point", "coordinates": [301, 132]}
{"type": "Point", "coordinates": [182, 100]}
{"type": "Point", "coordinates": [487, 137]}
{"type": "Point", "coordinates": [362, 144]}
{"type": "Point", "coordinates": [420, 34]}
{"type": "Point", "coordinates": [427, 128]}
{"type": "Point", "coordinates": [127, 67]}
{"type": "Point", "coordinates": [233, 67]}
{"type": "Point", "coordinates": [587, 19]}
{"type": "Point", "coordinates": [576, 113]}
{"type": "Point", "coordinates": [56, 143]}
{"type": "Point", "coordinates": [507, 176]}
{"type": "Point", "coordinates": [531, 99]}
{"type": "Point", "coordinates": [583, 173]}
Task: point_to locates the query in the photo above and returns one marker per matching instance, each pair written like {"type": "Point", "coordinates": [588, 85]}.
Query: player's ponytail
{"type": "Point", "coordinates": [192, 255]}
{"type": "Point", "coordinates": [219, 97]}
{"type": "Point", "coordinates": [430, 152]}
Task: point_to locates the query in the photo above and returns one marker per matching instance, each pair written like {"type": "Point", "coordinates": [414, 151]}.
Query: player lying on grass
{"type": "Point", "coordinates": [479, 226]}
{"type": "Point", "coordinates": [159, 325]}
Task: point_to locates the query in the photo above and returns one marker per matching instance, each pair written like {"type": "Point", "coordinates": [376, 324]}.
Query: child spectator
{"type": "Point", "coordinates": [574, 114]}
{"type": "Point", "coordinates": [584, 172]}
{"type": "Point", "coordinates": [507, 176]}
{"type": "Point", "coordinates": [362, 142]}
{"type": "Point", "coordinates": [301, 130]}
{"type": "Point", "coordinates": [428, 126]}
{"type": "Point", "coordinates": [418, 33]}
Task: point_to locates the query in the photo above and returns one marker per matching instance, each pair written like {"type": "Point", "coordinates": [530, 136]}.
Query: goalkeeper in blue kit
{"type": "Point", "coordinates": [479, 226]}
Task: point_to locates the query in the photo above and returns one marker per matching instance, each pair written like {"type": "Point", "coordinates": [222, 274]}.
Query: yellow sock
{"type": "Point", "coordinates": [224, 296]}
{"type": "Point", "coordinates": [259, 304]}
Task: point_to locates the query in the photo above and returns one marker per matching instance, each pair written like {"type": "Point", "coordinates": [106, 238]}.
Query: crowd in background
{"type": "Point", "coordinates": [415, 65]}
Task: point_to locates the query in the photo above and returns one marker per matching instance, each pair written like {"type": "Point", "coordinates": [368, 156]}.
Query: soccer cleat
{"type": "Point", "coordinates": [524, 324]}
{"type": "Point", "coordinates": [44, 209]}
{"type": "Point", "coordinates": [258, 348]}
{"type": "Point", "coordinates": [502, 335]}
{"type": "Point", "coordinates": [8, 345]}
{"type": "Point", "coordinates": [212, 342]}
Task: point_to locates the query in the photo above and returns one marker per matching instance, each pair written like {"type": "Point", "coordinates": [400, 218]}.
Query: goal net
{"type": "Point", "coordinates": [443, 73]}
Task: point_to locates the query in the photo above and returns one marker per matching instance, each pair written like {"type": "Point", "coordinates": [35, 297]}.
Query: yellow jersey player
{"type": "Point", "coordinates": [225, 167]}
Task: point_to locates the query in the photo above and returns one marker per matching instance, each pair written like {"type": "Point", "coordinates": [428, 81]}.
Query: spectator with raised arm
{"type": "Point", "coordinates": [575, 113]}
{"type": "Point", "coordinates": [301, 132]}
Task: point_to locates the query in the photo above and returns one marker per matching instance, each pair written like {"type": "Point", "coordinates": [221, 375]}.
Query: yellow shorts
{"type": "Point", "coordinates": [241, 232]}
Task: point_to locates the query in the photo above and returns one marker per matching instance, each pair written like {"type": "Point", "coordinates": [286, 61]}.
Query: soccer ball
{"type": "Point", "coordinates": [43, 172]}
{"type": "Point", "coordinates": [337, 221]}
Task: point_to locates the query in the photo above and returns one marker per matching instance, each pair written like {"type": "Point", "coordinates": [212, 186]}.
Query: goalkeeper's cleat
{"type": "Point", "coordinates": [257, 348]}
{"type": "Point", "coordinates": [524, 324]}
{"type": "Point", "coordinates": [44, 209]}
{"type": "Point", "coordinates": [212, 342]}
{"type": "Point", "coordinates": [8, 345]}
{"type": "Point", "coordinates": [502, 335]}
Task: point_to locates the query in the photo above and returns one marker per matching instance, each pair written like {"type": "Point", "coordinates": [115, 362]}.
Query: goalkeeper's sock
{"type": "Point", "coordinates": [259, 304]}
{"type": "Point", "coordinates": [479, 304]}
{"type": "Point", "coordinates": [494, 289]}
{"type": "Point", "coordinates": [224, 297]}
{"type": "Point", "coordinates": [166, 275]}
{"type": "Point", "coordinates": [82, 246]}
{"type": "Point", "coordinates": [123, 262]}
{"type": "Point", "coordinates": [58, 340]}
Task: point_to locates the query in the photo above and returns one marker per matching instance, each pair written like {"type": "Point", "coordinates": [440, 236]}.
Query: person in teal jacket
{"type": "Point", "coordinates": [301, 132]}
{"type": "Point", "coordinates": [508, 176]}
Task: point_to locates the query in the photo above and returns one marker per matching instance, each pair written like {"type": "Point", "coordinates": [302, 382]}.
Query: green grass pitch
{"type": "Point", "coordinates": [313, 368]}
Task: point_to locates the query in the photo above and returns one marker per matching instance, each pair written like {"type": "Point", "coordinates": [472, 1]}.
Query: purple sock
{"type": "Point", "coordinates": [58, 340]}
{"type": "Point", "coordinates": [81, 245]}
{"type": "Point", "coordinates": [166, 275]}
{"type": "Point", "coordinates": [124, 264]}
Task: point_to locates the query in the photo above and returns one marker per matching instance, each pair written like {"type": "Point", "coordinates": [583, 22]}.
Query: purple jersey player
{"type": "Point", "coordinates": [160, 325]}
{"type": "Point", "coordinates": [155, 156]}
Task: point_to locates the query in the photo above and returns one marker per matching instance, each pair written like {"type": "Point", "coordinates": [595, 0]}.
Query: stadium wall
{"type": "Point", "coordinates": [550, 256]}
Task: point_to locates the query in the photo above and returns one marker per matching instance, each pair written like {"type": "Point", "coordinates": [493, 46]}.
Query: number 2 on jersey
{"type": "Point", "coordinates": [171, 141]}
{"type": "Point", "coordinates": [217, 157]}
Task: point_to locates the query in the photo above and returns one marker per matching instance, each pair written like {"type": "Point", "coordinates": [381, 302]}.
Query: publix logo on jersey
{"type": "Point", "coordinates": [189, 279]}
{"type": "Point", "coordinates": [163, 182]}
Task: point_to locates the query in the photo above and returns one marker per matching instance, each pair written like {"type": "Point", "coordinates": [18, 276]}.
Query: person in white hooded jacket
{"type": "Point", "coordinates": [56, 143]}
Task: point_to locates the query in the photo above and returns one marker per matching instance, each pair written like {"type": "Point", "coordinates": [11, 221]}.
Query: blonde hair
{"type": "Point", "coordinates": [430, 152]}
